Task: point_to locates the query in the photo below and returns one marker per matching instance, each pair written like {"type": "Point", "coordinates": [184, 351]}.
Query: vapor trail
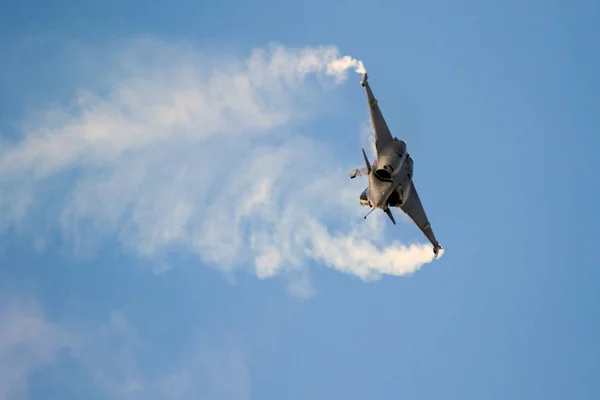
{"type": "Point", "coordinates": [343, 64]}
{"type": "Point", "coordinates": [203, 154]}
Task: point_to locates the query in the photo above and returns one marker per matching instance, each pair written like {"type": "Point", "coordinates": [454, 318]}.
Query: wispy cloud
{"type": "Point", "coordinates": [214, 368]}
{"type": "Point", "coordinates": [28, 342]}
{"type": "Point", "coordinates": [110, 358]}
{"type": "Point", "coordinates": [201, 152]}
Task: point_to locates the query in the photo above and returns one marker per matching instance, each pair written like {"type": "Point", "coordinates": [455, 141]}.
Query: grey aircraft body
{"type": "Point", "coordinates": [390, 177]}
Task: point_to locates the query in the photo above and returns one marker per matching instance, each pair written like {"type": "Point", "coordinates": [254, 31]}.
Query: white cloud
{"type": "Point", "coordinates": [202, 153]}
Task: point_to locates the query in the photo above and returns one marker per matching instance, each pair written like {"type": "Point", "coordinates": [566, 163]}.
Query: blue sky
{"type": "Point", "coordinates": [176, 219]}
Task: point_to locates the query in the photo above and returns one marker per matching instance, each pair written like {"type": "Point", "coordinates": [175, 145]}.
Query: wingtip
{"type": "Point", "coordinates": [363, 82]}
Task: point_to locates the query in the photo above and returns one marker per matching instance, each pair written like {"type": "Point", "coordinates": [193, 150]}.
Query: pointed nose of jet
{"type": "Point", "coordinates": [377, 200]}
{"type": "Point", "coordinates": [381, 203]}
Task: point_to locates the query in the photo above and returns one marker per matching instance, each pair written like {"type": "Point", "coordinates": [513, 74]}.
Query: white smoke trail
{"type": "Point", "coordinates": [339, 66]}
{"type": "Point", "coordinates": [178, 157]}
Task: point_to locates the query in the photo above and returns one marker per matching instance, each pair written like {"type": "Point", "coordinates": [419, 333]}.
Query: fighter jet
{"type": "Point", "coordinates": [390, 176]}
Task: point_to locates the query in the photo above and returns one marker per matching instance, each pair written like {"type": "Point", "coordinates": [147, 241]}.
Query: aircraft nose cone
{"type": "Point", "coordinates": [379, 201]}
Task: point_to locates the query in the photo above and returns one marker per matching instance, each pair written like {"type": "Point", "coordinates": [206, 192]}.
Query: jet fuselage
{"type": "Point", "coordinates": [392, 160]}
{"type": "Point", "coordinates": [390, 177]}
